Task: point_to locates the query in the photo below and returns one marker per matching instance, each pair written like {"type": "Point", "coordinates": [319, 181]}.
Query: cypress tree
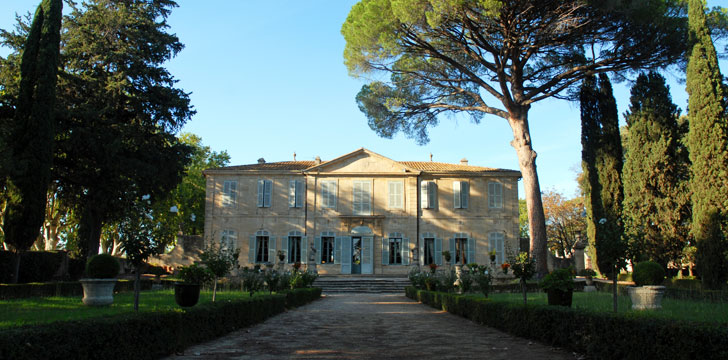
{"type": "Point", "coordinates": [708, 146]}
{"type": "Point", "coordinates": [602, 166]}
{"type": "Point", "coordinates": [656, 174]}
{"type": "Point", "coordinates": [32, 134]}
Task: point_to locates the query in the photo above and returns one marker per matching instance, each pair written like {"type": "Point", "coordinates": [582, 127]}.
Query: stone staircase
{"type": "Point", "coordinates": [361, 284]}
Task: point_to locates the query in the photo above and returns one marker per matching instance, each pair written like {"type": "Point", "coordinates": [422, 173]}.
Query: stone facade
{"type": "Point", "coordinates": [362, 213]}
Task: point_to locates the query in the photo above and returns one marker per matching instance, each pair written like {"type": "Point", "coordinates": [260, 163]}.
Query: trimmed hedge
{"type": "Point", "coordinates": [598, 335]}
{"type": "Point", "coordinates": [68, 288]}
{"type": "Point", "coordinates": [35, 266]}
{"type": "Point", "coordinates": [148, 335]}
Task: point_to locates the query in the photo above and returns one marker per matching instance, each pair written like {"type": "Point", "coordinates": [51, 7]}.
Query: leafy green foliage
{"type": "Point", "coordinates": [522, 218]}
{"type": "Point", "coordinates": [656, 174]}
{"type": "Point", "coordinates": [648, 273]}
{"type": "Point", "coordinates": [524, 269]}
{"type": "Point", "coordinates": [712, 252]}
{"type": "Point", "coordinates": [707, 142]}
{"type": "Point", "coordinates": [253, 280]}
{"type": "Point", "coordinates": [195, 274]}
{"type": "Point", "coordinates": [559, 279]}
{"type": "Point", "coordinates": [102, 266]}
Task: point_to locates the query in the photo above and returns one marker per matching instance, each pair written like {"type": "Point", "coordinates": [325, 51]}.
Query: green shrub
{"type": "Point", "coordinates": [596, 335]}
{"type": "Point", "coordinates": [102, 266]}
{"type": "Point", "coordinates": [35, 266]}
{"type": "Point", "coordinates": [620, 276]}
{"type": "Point", "coordinates": [648, 273]}
{"type": "Point", "coordinates": [559, 279]}
{"type": "Point", "coordinates": [195, 274]}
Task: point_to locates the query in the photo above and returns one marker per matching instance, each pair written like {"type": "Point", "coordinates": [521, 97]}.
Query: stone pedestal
{"type": "Point", "coordinates": [590, 288]}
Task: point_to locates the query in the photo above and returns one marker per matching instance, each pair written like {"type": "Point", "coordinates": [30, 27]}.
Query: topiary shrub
{"type": "Point", "coordinates": [648, 273]}
{"type": "Point", "coordinates": [559, 279]}
{"type": "Point", "coordinates": [102, 266]}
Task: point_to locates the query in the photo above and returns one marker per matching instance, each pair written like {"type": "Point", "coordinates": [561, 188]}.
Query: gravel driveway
{"type": "Point", "coordinates": [370, 326]}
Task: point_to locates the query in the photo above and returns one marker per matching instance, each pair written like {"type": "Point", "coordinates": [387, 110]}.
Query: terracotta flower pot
{"type": "Point", "coordinates": [186, 295]}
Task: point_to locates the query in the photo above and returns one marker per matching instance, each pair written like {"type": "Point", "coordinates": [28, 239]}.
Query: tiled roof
{"type": "Point", "coordinates": [431, 166]}
{"type": "Point", "coordinates": [427, 166]}
{"type": "Point", "coordinates": [281, 165]}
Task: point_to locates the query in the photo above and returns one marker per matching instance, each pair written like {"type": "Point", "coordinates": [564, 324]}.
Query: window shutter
{"type": "Point", "coordinates": [304, 249]}
{"type": "Point", "coordinates": [492, 245]}
{"type": "Point", "coordinates": [251, 250]}
{"type": "Point", "coordinates": [438, 251]}
{"type": "Point", "coordinates": [333, 194]}
{"type": "Point", "coordinates": [453, 247]}
{"type": "Point", "coordinates": [367, 208]}
{"type": "Point", "coordinates": [432, 194]}
{"type": "Point", "coordinates": [465, 194]}
{"type": "Point", "coordinates": [456, 191]}
{"type": "Point", "coordinates": [471, 251]}
{"type": "Point", "coordinates": [299, 193]}
{"type": "Point", "coordinates": [233, 191]}
{"type": "Point", "coordinates": [317, 246]}
{"type": "Point", "coordinates": [405, 252]}
{"type": "Point", "coordinates": [499, 248]}
{"type": "Point", "coordinates": [285, 245]}
{"type": "Point", "coordinates": [385, 251]}
{"type": "Point", "coordinates": [292, 193]}
{"type": "Point", "coordinates": [421, 251]}
{"type": "Point", "coordinates": [337, 250]}
{"type": "Point", "coordinates": [261, 193]}
{"type": "Point", "coordinates": [268, 188]}
{"type": "Point", "coordinates": [272, 249]}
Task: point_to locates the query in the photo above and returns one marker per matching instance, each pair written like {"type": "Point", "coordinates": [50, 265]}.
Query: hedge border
{"type": "Point", "coordinates": [598, 335]}
{"type": "Point", "coordinates": [67, 288]}
{"type": "Point", "coordinates": [146, 335]}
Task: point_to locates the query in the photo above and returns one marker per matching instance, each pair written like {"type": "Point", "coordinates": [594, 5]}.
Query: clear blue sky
{"type": "Point", "coordinates": [267, 80]}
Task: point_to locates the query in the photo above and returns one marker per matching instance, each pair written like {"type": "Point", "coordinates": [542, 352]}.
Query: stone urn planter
{"type": "Point", "coordinates": [648, 297]}
{"type": "Point", "coordinates": [98, 292]}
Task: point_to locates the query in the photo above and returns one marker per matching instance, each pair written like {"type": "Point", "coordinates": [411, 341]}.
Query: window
{"type": "Point", "coordinates": [495, 195]}
{"type": "Point", "coordinates": [395, 251]}
{"type": "Point", "coordinates": [496, 242]}
{"type": "Point", "coordinates": [294, 249]}
{"type": "Point", "coordinates": [295, 193]}
{"type": "Point", "coordinates": [328, 194]}
{"type": "Point", "coordinates": [429, 251]}
{"type": "Point", "coordinates": [428, 193]}
{"type": "Point", "coordinates": [264, 191]}
{"type": "Point", "coordinates": [461, 193]}
{"type": "Point", "coordinates": [229, 192]}
{"type": "Point", "coordinates": [461, 251]}
{"type": "Point", "coordinates": [396, 192]}
{"type": "Point", "coordinates": [228, 240]}
{"type": "Point", "coordinates": [327, 249]}
{"type": "Point", "coordinates": [261, 249]}
{"type": "Point", "coordinates": [361, 201]}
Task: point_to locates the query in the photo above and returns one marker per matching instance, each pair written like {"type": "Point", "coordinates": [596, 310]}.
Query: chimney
{"type": "Point", "coordinates": [261, 161]}
{"type": "Point", "coordinates": [430, 157]}
{"type": "Point", "coordinates": [464, 161]}
{"type": "Point", "coordinates": [318, 160]}
{"type": "Point", "coordinates": [294, 156]}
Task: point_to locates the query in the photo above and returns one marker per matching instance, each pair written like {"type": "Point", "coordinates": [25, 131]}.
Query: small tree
{"type": "Point", "coordinates": [220, 261]}
{"type": "Point", "coordinates": [141, 237]}
{"type": "Point", "coordinates": [523, 268]}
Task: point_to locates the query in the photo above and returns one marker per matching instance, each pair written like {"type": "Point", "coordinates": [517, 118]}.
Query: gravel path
{"type": "Point", "coordinates": [370, 326]}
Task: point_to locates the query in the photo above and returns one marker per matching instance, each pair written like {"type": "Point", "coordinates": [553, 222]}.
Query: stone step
{"type": "Point", "coordinates": [332, 284]}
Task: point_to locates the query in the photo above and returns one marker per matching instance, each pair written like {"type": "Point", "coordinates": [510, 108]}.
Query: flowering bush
{"type": "Point", "coordinates": [504, 267]}
{"type": "Point", "coordinates": [433, 267]}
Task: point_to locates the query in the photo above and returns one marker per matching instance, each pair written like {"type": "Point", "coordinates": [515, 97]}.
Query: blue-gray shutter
{"type": "Point", "coordinates": [405, 252]}
{"type": "Point", "coordinates": [251, 250]}
{"type": "Point", "coordinates": [367, 259]}
{"type": "Point", "coordinates": [456, 192]}
{"type": "Point", "coordinates": [317, 246]}
{"type": "Point", "coordinates": [471, 251]}
{"type": "Point", "coordinates": [346, 254]}
{"type": "Point", "coordinates": [292, 194]}
{"type": "Point", "coordinates": [272, 249]}
{"type": "Point", "coordinates": [261, 193]}
{"type": "Point", "coordinates": [453, 249]}
{"type": "Point", "coordinates": [421, 251]}
{"type": "Point", "coordinates": [438, 251]}
{"type": "Point", "coordinates": [337, 250]}
{"type": "Point", "coordinates": [465, 194]}
{"type": "Point", "coordinates": [385, 251]}
{"type": "Point", "coordinates": [304, 249]}
{"type": "Point", "coordinates": [432, 194]}
{"type": "Point", "coordinates": [268, 189]}
{"type": "Point", "coordinates": [299, 193]}
{"type": "Point", "coordinates": [334, 194]}
{"type": "Point", "coordinates": [424, 201]}
{"type": "Point", "coordinates": [285, 245]}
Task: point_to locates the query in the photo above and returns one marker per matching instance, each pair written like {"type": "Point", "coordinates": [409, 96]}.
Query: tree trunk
{"type": "Point", "coordinates": [525, 293]}
{"type": "Point", "coordinates": [16, 267]}
{"type": "Point", "coordinates": [614, 287]}
{"type": "Point", "coordinates": [214, 289]}
{"type": "Point", "coordinates": [137, 280]}
{"type": "Point", "coordinates": [89, 230]}
{"type": "Point", "coordinates": [527, 163]}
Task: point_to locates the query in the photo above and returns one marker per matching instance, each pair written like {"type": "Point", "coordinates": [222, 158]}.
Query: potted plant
{"type": "Point", "coordinates": [446, 254]}
{"type": "Point", "coordinates": [559, 286]}
{"type": "Point", "coordinates": [281, 255]}
{"type": "Point", "coordinates": [492, 256]}
{"type": "Point", "coordinates": [98, 287]}
{"type": "Point", "coordinates": [648, 290]}
{"type": "Point", "coordinates": [589, 275]}
{"type": "Point", "coordinates": [505, 267]}
{"type": "Point", "coordinates": [187, 293]}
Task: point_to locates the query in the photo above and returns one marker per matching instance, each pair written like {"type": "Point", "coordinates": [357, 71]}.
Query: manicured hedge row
{"type": "Point", "coordinates": [674, 292]}
{"type": "Point", "coordinates": [147, 335]}
{"type": "Point", "coordinates": [35, 266]}
{"type": "Point", "coordinates": [68, 288]}
{"type": "Point", "coordinates": [598, 335]}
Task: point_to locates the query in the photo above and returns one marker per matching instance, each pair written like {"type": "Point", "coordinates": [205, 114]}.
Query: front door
{"type": "Point", "coordinates": [356, 254]}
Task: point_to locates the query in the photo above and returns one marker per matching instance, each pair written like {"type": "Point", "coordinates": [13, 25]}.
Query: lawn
{"type": "Point", "coordinates": [689, 310]}
{"type": "Point", "coordinates": [51, 309]}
